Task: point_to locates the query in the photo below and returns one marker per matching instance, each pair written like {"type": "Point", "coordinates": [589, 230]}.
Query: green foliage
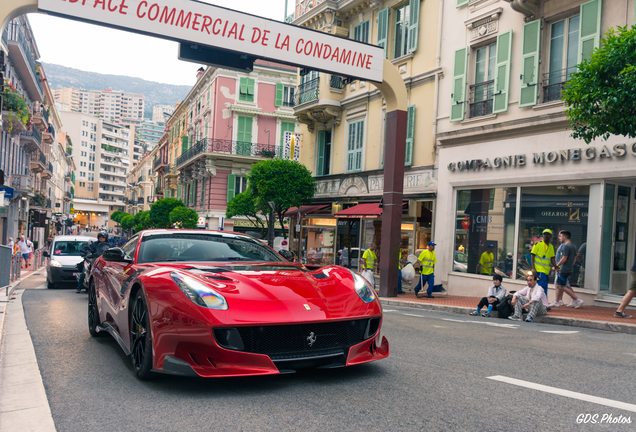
{"type": "Point", "coordinates": [127, 222]}
{"type": "Point", "coordinates": [117, 216]}
{"type": "Point", "coordinates": [244, 205]}
{"type": "Point", "coordinates": [15, 103]}
{"type": "Point", "coordinates": [601, 96]}
{"type": "Point", "coordinates": [284, 183]}
{"type": "Point", "coordinates": [142, 221]}
{"type": "Point", "coordinates": [160, 212]}
{"type": "Point", "coordinates": [184, 217]}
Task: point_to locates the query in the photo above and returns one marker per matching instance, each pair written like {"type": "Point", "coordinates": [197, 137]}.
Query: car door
{"type": "Point", "coordinates": [114, 276]}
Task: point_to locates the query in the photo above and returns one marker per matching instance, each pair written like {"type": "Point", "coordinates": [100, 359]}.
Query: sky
{"type": "Point", "coordinates": [99, 49]}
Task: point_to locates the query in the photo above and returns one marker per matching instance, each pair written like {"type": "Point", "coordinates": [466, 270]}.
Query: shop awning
{"type": "Point", "coordinates": [308, 210]}
{"type": "Point", "coordinates": [364, 210]}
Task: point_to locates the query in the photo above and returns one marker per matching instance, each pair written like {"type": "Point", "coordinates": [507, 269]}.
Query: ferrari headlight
{"type": "Point", "coordinates": [363, 289]}
{"type": "Point", "coordinates": [55, 263]}
{"type": "Point", "coordinates": [199, 293]}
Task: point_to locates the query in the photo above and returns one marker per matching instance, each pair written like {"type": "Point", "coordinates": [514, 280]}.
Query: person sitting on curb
{"type": "Point", "coordinates": [496, 294]}
{"type": "Point", "coordinates": [532, 298]}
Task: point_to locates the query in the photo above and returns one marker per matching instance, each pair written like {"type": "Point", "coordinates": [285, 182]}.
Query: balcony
{"type": "Point", "coordinates": [40, 118]}
{"type": "Point", "coordinates": [68, 196]}
{"type": "Point", "coordinates": [554, 82]}
{"type": "Point", "coordinates": [305, 6]}
{"type": "Point", "coordinates": [19, 40]}
{"type": "Point", "coordinates": [38, 163]}
{"type": "Point", "coordinates": [48, 136]}
{"type": "Point", "coordinates": [318, 100]}
{"type": "Point", "coordinates": [48, 171]}
{"type": "Point", "coordinates": [216, 147]}
{"type": "Point", "coordinates": [31, 140]}
{"type": "Point", "coordinates": [21, 183]}
{"type": "Point", "coordinates": [481, 99]}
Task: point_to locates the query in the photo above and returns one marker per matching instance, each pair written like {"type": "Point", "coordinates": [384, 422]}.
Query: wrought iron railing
{"type": "Point", "coordinates": [15, 32]}
{"type": "Point", "coordinates": [32, 133]}
{"type": "Point", "coordinates": [238, 148]}
{"type": "Point", "coordinates": [308, 91]}
{"type": "Point", "coordinates": [554, 83]}
{"type": "Point", "coordinates": [481, 98]}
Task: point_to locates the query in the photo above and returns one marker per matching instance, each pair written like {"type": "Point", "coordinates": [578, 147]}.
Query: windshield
{"type": "Point", "coordinates": [202, 247]}
{"type": "Point", "coordinates": [69, 248]}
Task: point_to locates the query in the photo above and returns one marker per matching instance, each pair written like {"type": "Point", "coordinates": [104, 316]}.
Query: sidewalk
{"type": "Point", "coordinates": [594, 317]}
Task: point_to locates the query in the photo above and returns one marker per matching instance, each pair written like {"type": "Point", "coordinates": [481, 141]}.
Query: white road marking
{"type": "Point", "coordinates": [563, 332]}
{"type": "Point", "coordinates": [488, 323]}
{"type": "Point", "coordinates": [566, 393]}
{"type": "Point", "coordinates": [413, 315]}
{"type": "Point", "coordinates": [389, 310]}
{"type": "Point", "coordinates": [438, 326]}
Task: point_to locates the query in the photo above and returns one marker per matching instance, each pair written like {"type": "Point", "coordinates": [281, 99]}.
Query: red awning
{"type": "Point", "coordinates": [308, 209]}
{"type": "Point", "coordinates": [364, 210]}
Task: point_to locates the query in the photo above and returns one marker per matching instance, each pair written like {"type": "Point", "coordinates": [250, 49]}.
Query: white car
{"type": "Point", "coordinates": [64, 255]}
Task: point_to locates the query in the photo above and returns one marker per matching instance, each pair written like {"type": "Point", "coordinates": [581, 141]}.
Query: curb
{"type": "Point", "coordinates": [573, 322]}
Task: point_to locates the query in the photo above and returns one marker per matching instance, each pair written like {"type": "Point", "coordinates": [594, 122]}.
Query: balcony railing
{"type": "Point", "coordinates": [481, 98]}
{"type": "Point", "coordinates": [554, 83]}
{"type": "Point", "coordinates": [308, 91]}
{"type": "Point", "coordinates": [15, 32]}
{"type": "Point", "coordinates": [50, 167]}
{"type": "Point", "coordinates": [33, 134]}
{"type": "Point", "coordinates": [21, 183]}
{"type": "Point", "coordinates": [238, 148]}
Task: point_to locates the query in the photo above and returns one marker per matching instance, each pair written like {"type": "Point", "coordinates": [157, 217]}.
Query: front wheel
{"type": "Point", "coordinates": [140, 338]}
{"type": "Point", "coordinates": [93, 312]}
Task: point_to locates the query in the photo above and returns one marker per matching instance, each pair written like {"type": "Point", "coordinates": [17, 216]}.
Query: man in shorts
{"type": "Point", "coordinates": [629, 295]}
{"type": "Point", "coordinates": [565, 258]}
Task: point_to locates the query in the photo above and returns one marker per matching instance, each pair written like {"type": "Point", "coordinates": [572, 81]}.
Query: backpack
{"type": "Point", "coordinates": [504, 307]}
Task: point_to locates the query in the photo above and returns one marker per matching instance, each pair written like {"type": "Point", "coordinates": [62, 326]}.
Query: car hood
{"type": "Point", "coordinates": [67, 261]}
{"type": "Point", "coordinates": [283, 293]}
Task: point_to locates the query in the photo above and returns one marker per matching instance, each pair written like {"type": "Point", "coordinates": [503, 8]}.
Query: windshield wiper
{"type": "Point", "coordinates": [233, 259]}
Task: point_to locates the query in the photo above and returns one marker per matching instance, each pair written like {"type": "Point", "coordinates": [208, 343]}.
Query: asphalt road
{"type": "Point", "coordinates": [435, 380]}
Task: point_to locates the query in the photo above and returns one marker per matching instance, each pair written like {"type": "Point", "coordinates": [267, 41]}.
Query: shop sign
{"type": "Point", "coordinates": [614, 152]}
{"type": "Point", "coordinates": [239, 33]}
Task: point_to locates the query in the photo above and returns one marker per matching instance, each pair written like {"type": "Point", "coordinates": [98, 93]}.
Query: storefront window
{"type": "Point", "coordinates": [320, 245]}
{"type": "Point", "coordinates": [484, 231]}
{"type": "Point", "coordinates": [556, 208]}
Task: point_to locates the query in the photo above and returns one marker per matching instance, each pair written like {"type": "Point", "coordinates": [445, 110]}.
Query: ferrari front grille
{"type": "Point", "coordinates": [297, 340]}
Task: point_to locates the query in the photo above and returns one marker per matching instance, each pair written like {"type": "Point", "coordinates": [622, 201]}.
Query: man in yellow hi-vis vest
{"type": "Point", "coordinates": [427, 261]}
{"type": "Point", "coordinates": [542, 255]}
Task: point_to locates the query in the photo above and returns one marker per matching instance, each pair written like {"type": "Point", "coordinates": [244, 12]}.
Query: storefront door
{"type": "Point", "coordinates": [619, 239]}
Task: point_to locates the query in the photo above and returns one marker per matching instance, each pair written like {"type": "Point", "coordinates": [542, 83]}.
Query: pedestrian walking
{"type": "Point", "coordinates": [496, 293]}
{"type": "Point", "coordinates": [629, 295]}
{"type": "Point", "coordinates": [542, 257]}
{"type": "Point", "coordinates": [532, 298]}
{"type": "Point", "coordinates": [26, 248]}
{"type": "Point", "coordinates": [369, 259]}
{"type": "Point", "coordinates": [565, 259]}
{"type": "Point", "coordinates": [427, 261]}
{"type": "Point", "coordinates": [402, 262]}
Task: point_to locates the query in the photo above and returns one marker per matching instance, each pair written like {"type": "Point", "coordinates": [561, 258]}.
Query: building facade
{"type": "Point", "coordinates": [227, 122]}
{"type": "Point", "coordinates": [140, 190]}
{"type": "Point", "coordinates": [343, 129]}
{"type": "Point", "coordinates": [109, 105]}
{"type": "Point", "coordinates": [161, 113]}
{"type": "Point", "coordinates": [508, 165]}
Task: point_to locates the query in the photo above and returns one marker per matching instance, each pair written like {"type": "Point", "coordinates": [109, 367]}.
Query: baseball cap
{"type": "Point", "coordinates": [547, 231]}
{"type": "Point", "coordinates": [431, 243]}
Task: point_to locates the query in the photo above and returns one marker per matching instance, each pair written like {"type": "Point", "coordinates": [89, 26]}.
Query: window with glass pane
{"type": "Point", "coordinates": [402, 16]}
{"type": "Point", "coordinates": [355, 145]}
{"type": "Point", "coordinates": [564, 46]}
{"type": "Point", "coordinates": [557, 208]}
{"type": "Point", "coordinates": [361, 32]}
{"type": "Point", "coordinates": [485, 231]}
{"type": "Point", "coordinates": [323, 163]}
{"type": "Point", "coordinates": [288, 96]}
{"type": "Point", "coordinates": [482, 91]}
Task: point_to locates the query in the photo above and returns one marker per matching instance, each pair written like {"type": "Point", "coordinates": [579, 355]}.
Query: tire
{"type": "Point", "coordinates": [140, 338]}
{"type": "Point", "coordinates": [49, 284]}
{"type": "Point", "coordinates": [93, 312]}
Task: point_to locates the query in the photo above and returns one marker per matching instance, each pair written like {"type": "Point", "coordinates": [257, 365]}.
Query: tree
{"type": "Point", "coordinates": [142, 221]}
{"type": "Point", "coordinates": [244, 205]}
{"type": "Point", "coordinates": [117, 216]}
{"type": "Point", "coordinates": [127, 222]}
{"type": "Point", "coordinates": [183, 217]}
{"type": "Point", "coordinates": [160, 212]}
{"type": "Point", "coordinates": [601, 96]}
{"type": "Point", "coordinates": [283, 183]}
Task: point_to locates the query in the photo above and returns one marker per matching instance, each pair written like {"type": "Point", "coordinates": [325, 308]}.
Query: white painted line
{"type": "Point", "coordinates": [566, 393]}
{"type": "Point", "coordinates": [455, 320]}
{"type": "Point", "coordinates": [389, 310]}
{"type": "Point", "coordinates": [562, 332]}
{"type": "Point", "coordinates": [488, 323]}
{"type": "Point", "coordinates": [437, 326]}
{"type": "Point", "coordinates": [413, 315]}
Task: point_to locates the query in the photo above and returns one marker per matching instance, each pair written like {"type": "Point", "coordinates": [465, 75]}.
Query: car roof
{"type": "Point", "coordinates": [73, 238]}
{"type": "Point", "coordinates": [229, 234]}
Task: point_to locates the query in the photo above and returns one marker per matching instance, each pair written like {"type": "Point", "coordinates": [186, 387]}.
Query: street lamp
{"type": "Point", "coordinates": [270, 225]}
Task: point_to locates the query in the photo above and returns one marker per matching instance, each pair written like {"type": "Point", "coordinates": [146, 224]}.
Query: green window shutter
{"type": "Point", "coordinates": [320, 153]}
{"type": "Point", "coordinates": [530, 63]}
{"type": "Point", "coordinates": [231, 179]}
{"type": "Point", "coordinates": [184, 143]}
{"type": "Point", "coordinates": [243, 85]}
{"type": "Point", "coordinates": [279, 94]}
{"type": "Point", "coordinates": [502, 79]}
{"type": "Point", "coordinates": [250, 86]}
{"type": "Point", "coordinates": [462, 2]}
{"type": "Point", "coordinates": [459, 86]}
{"type": "Point", "coordinates": [414, 24]}
{"type": "Point", "coordinates": [244, 136]}
{"type": "Point", "coordinates": [410, 135]}
{"type": "Point", "coordinates": [589, 28]}
{"type": "Point", "coordinates": [383, 29]}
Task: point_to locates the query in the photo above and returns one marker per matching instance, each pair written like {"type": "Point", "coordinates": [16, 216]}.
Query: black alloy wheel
{"type": "Point", "coordinates": [93, 312]}
{"type": "Point", "coordinates": [140, 338]}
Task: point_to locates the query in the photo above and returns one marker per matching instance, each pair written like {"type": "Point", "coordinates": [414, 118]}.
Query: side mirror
{"type": "Point", "coordinates": [46, 254]}
{"type": "Point", "coordinates": [288, 255]}
{"type": "Point", "coordinates": [116, 255]}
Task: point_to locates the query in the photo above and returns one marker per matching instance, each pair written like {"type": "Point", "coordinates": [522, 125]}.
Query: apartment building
{"type": "Point", "coordinates": [508, 165]}
{"type": "Point", "coordinates": [140, 190]}
{"type": "Point", "coordinates": [343, 127]}
{"type": "Point", "coordinates": [161, 113]}
{"type": "Point", "coordinates": [109, 105]}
